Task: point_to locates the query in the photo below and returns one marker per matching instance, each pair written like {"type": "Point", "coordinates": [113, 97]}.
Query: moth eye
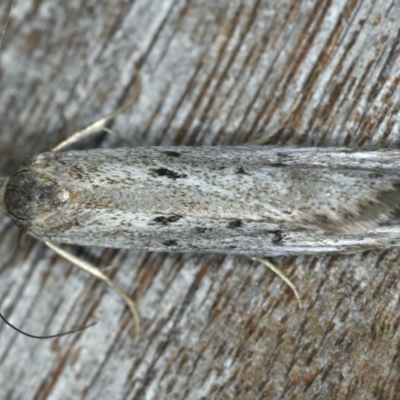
{"type": "Point", "coordinates": [30, 194]}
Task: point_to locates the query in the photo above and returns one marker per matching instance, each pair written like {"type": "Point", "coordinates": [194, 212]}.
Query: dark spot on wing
{"type": "Point", "coordinates": [277, 165]}
{"type": "Point", "coordinates": [241, 171]}
{"type": "Point", "coordinates": [236, 223]}
{"type": "Point", "coordinates": [277, 238]}
{"type": "Point", "coordinates": [164, 221]}
{"type": "Point", "coordinates": [172, 153]}
{"type": "Point", "coordinates": [170, 243]}
{"type": "Point", "coordinates": [166, 172]}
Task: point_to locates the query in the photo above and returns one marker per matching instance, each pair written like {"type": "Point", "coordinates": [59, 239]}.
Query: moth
{"type": "Point", "coordinates": [262, 201]}
{"type": "Point", "coordinates": [248, 200]}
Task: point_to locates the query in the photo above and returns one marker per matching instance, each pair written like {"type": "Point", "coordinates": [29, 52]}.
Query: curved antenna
{"type": "Point", "coordinates": [45, 336]}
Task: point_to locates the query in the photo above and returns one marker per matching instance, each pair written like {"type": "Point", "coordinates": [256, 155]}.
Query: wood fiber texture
{"type": "Point", "coordinates": [214, 72]}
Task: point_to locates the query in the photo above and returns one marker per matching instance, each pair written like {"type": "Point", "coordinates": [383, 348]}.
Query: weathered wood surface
{"type": "Point", "coordinates": [214, 72]}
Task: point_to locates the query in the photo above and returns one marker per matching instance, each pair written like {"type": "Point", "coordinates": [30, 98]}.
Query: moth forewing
{"type": "Point", "coordinates": [259, 200]}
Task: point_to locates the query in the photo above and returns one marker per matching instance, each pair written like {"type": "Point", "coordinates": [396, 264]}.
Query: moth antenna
{"type": "Point", "coordinates": [6, 23]}
{"type": "Point", "coordinates": [45, 336]}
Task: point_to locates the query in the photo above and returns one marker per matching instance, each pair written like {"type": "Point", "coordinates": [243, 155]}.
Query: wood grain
{"type": "Point", "coordinates": [213, 73]}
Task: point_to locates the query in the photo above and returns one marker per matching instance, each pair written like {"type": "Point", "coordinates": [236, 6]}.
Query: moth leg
{"type": "Point", "coordinates": [91, 269]}
{"type": "Point", "coordinates": [265, 138]}
{"type": "Point", "coordinates": [278, 272]}
{"type": "Point", "coordinates": [100, 124]}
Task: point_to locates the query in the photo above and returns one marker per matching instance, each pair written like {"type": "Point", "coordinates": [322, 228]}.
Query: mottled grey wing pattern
{"type": "Point", "coordinates": [238, 200]}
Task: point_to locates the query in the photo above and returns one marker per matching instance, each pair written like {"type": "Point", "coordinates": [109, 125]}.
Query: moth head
{"type": "Point", "coordinates": [30, 195]}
